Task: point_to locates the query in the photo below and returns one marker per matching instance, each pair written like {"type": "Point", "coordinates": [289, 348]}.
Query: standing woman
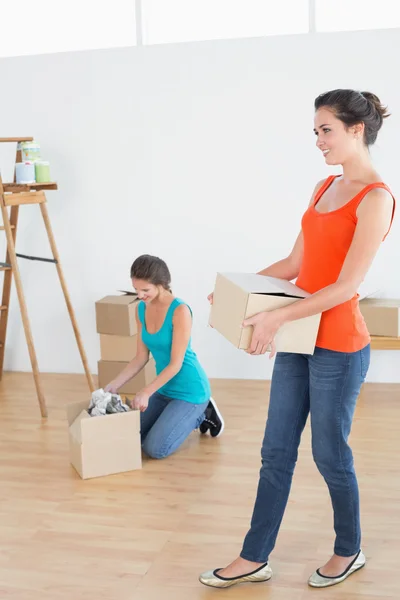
{"type": "Point", "coordinates": [179, 399]}
{"type": "Point", "coordinates": [348, 217]}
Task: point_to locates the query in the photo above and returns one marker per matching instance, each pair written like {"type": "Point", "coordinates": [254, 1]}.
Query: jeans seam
{"type": "Point", "coordinates": [339, 446]}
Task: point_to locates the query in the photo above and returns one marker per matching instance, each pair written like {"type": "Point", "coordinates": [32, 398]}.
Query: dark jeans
{"type": "Point", "coordinates": [326, 385]}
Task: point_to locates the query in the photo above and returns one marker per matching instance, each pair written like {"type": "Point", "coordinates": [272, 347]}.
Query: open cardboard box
{"type": "Point", "coordinates": [238, 296]}
{"type": "Point", "coordinates": [103, 445]}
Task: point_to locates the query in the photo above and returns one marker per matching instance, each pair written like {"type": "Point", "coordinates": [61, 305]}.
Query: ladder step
{"type": "Point", "coordinates": [5, 268]}
{"type": "Point", "coordinates": [3, 307]}
{"type": "Point", "coordinates": [2, 228]}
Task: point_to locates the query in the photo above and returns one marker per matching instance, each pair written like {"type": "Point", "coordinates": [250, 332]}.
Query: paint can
{"type": "Point", "coordinates": [25, 172]}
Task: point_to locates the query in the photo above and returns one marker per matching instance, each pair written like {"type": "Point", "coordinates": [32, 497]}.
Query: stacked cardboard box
{"type": "Point", "coordinates": [108, 444]}
{"type": "Point", "coordinates": [382, 316]}
{"type": "Point", "coordinates": [116, 324]}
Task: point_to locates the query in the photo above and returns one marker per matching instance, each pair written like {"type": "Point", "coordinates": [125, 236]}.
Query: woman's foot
{"type": "Point", "coordinates": [239, 571]}
{"type": "Point", "coordinates": [337, 569]}
{"type": "Point", "coordinates": [213, 420]}
{"type": "Point", "coordinates": [336, 565]}
{"type": "Point", "coordinates": [239, 567]}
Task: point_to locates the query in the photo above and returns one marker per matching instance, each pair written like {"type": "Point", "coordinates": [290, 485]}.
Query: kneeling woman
{"type": "Point", "coordinates": [179, 399]}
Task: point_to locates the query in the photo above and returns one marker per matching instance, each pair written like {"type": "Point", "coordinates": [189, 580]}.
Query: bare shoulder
{"type": "Point", "coordinates": [319, 184]}
{"type": "Point", "coordinates": [182, 314]}
{"type": "Point", "coordinates": [377, 200]}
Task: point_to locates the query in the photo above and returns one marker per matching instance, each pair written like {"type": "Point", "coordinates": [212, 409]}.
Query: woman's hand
{"type": "Point", "coordinates": [141, 401]}
{"type": "Point", "coordinates": [210, 298]}
{"type": "Point", "coordinates": [112, 387]}
{"type": "Point", "coordinates": [265, 326]}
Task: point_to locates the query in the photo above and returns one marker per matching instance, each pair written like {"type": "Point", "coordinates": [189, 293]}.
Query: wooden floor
{"type": "Point", "coordinates": [146, 535]}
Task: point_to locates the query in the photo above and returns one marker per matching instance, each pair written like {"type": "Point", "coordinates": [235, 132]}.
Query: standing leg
{"type": "Point", "coordinates": [172, 427]}
{"type": "Point", "coordinates": [335, 382]}
{"type": "Point", "coordinates": [287, 415]}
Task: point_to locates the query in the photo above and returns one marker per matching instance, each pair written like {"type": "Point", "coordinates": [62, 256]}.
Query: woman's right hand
{"type": "Point", "coordinates": [112, 387]}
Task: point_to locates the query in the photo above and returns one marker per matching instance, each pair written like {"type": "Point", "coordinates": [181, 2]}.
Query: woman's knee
{"type": "Point", "coordinates": [278, 461]}
{"type": "Point", "coordinates": [155, 448]}
{"type": "Point", "coordinates": [332, 463]}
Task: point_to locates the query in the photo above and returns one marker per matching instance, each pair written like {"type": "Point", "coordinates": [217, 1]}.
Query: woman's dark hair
{"type": "Point", "coordinates": [353, 107]}
{"type": "Point", "coordinates": [151, 269]}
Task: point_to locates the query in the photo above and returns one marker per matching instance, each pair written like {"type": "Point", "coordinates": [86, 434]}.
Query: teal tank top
{"type": "Point", "coordinates": [191, 383]}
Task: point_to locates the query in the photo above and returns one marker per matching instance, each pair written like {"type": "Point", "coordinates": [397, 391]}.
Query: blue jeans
{"type": "Point", "coordinates": [326, 385]}
{"type": "Point", "coordinates": [166, 424]}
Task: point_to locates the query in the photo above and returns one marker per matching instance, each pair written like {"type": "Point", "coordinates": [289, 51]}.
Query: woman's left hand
{"type": "Point", "coordinates": [266, 325]}
{"type": "Point", "coordinates": [141, 401]}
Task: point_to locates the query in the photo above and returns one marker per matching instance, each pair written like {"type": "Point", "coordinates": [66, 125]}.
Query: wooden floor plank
{"type": "Point", "coordinates": [148, 534]}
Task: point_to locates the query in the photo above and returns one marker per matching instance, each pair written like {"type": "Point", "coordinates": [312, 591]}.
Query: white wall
{"type": "Point", "coordinates": [201, 153]}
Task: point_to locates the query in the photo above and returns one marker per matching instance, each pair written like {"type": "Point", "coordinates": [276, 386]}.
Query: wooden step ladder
{"type": "Point", "coordinates": [12, 196]}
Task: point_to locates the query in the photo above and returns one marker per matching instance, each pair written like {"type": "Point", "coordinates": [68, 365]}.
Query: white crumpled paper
{"type": "Point", "coordinates": [106, 403]}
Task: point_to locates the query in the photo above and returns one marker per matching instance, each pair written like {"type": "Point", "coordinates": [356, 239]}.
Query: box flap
{"type": "Point", "coordinates": [124, 300]}
{"type": "Point", "coordinates": [75, 408]}
{"type": "Point", "coordinates": [366, 290]}
{"type": "Point", "coordinates": [261, 284]}
{"type": "Point", "coordinates": [75, 429]}
{"type": "Point", "coordinates": [128, 293]}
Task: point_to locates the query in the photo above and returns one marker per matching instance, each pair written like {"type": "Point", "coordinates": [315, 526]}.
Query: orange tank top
{"type": "Point", "coordinates": [327, 239]}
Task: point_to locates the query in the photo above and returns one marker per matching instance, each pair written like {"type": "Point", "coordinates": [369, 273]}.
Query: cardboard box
{"type": "Point", "coordinates": [115, 315]}
{"type": "Point", "coordinates": [108, 370]}
{"type": "Point", "coordinates": [382, 316]}
{"type": "Point", "coordinates": [103, 445]}
{"type": "Point", "coordinates": [120, 348]}
{"type": "Point", "coordinates": [238, 296]}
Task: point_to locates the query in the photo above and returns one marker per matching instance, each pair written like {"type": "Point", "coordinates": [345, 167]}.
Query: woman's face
{"type": "Point", "coordinates": [146, 291]}
{"type": "Point", "coordinates": [336, 142]}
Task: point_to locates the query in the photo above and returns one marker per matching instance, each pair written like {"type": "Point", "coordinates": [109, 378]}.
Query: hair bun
{"type": "Point", "coordinates": [377, 104]}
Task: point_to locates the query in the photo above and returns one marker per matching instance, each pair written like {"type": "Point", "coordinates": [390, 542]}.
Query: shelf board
{"type": "Point", "coordinates": [17, 139]}
{"type": "Point", "coordinates": [379, 342]}
{"type": "Point", "coordinates": [15, 188]}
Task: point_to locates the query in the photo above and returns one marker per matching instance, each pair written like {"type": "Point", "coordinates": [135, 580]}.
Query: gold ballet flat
{"type": "Point", "coordinates": [319, 581]}
{"type": "Point", "coordinates": [212, 579]}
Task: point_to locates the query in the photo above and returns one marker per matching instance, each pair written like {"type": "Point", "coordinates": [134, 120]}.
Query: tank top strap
{"type": "Point", "coordinates": [355, 203]}
{"type": "Point", "coordinates": [174, 304]}
{"type": "Point", "coordinates": [141, 311]}
{"type": "Point", "coordinates": [328, 181]}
